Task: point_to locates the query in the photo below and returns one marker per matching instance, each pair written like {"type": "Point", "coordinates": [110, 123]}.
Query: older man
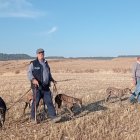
{"type": "Point", "coordinates": [40, 76]}
{"type": "Point", "coordinates": [136, 81]}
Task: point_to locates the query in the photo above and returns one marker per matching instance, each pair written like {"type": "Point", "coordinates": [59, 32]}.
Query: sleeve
{"type": "Point", "coordinates": [134, 68]}
{"type": "Point", "coordinates": [51, 78]}
{"type": "Point", "coordinates": [29, 72]}
{"type": "Point", "coordinates": [50, 75]}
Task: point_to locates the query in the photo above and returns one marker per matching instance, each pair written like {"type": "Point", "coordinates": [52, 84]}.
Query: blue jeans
{"type": "Point", "coordinates": [47, 99]}
{"type": "Point", "coordinates": [136, 93]}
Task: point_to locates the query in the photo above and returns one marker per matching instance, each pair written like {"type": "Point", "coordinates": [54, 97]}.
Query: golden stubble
{"type": "Point", "coordinates": [86, 79]}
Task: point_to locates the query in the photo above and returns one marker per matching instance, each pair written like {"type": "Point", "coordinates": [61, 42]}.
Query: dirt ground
{"type": "Point", "coordinates": [86, 79]}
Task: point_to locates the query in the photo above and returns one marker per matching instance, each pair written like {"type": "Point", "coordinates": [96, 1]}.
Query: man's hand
{"type": "Point", "coordinates": [35, 82]}
{"type": "Point", "coordinates": [134, 82]}
{"type": "Point", "coordinates": [55, 82]}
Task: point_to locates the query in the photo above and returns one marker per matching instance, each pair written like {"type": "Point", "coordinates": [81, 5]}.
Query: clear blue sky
{"type": "Point", "coordinates": [70, 27]}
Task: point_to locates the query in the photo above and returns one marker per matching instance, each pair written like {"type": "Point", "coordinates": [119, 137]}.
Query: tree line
{"type": "Point", "coordinates": [5, 57]}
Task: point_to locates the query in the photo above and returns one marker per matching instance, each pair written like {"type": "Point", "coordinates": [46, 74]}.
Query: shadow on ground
{"type": "Point", "coordinates": [116, 99]}
{"type": "Point", "coordinates": [86, 109]}
{"type": "Point", "coordinates": [91, 107]}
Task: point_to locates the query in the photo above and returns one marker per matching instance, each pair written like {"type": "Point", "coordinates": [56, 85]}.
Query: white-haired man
{"type": "Point", "coordinates": [40, 76]}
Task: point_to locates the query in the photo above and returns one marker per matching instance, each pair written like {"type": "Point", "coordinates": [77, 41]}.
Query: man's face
{"type": "Point", "coordinates": [40, 55]}
{"type": "Point", "coordinates": [138, 59]}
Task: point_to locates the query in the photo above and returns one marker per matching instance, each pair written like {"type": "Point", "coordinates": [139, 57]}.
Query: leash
{"type": "Point", "coordinates": [18, 99]}
{"type": "Point", "coordinates": [65, 80]}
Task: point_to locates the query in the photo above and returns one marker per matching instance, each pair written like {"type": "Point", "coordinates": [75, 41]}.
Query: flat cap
{"type": "Point", "coordinates": [39, 50]}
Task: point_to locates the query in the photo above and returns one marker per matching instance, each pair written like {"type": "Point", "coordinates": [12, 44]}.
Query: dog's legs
{"type": "Point", "coordinates": [70, 110]}
{"type": "Point", "coordinates": [0, 124]}
{"type": "Point", "coordinates": [58, 109]}
{"type": "Point", "coordinates": [106, 100]}
{"type": "Point", "coordinates": [3, 119]}
{"type": "Point", "coordinates": [26, 105]}
{"type": "Point", "coordinates": [120, 99]}
{"type": "Point", "coordinates": [45, 108]}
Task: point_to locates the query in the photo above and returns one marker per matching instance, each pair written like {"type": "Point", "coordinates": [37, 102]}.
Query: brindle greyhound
{"type": "Point", "coordinates": [62, 100]}
{"type": "Point", "coordinates": [119, 93]}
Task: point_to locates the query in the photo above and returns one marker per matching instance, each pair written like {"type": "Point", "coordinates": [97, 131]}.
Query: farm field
{"type": "Point", "coordinates": [86, 79]}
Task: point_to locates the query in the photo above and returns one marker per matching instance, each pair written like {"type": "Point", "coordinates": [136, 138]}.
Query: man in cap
{"type": "Point", "coordinates": [40, 76]}
{"type": "Point", "coordinates": [136, 81]}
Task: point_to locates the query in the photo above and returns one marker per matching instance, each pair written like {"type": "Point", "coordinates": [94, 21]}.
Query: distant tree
{"type": "Point", "coordinates": [4, 57]}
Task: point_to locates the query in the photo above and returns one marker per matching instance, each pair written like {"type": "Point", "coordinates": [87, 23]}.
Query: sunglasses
{"type": "Point", "coordinates": [41, 53]}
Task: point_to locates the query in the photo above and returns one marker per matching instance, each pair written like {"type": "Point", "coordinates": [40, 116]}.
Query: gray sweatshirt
{"type": "Point", "coordinates": [136, 71]}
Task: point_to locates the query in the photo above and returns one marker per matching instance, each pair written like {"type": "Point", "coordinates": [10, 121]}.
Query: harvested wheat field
{"type": "Point", "coordinates": [86, 79]}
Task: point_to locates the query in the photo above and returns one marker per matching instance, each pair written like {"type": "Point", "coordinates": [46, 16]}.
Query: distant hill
{"type": "Point", "coordinates": [97, 58]}
{"type": "Point", "coordinates": [55, 57]}
{"type": "Point", "coordinates": [4, 57]}
{"type": "Point", "coordinates": [128, 55]}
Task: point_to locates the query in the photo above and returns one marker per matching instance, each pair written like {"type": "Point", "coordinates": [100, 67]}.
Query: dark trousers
{"type": "Point", "coordinates": [47, 99]}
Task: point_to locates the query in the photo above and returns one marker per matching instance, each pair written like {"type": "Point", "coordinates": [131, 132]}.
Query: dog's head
{"type": "Point", "coordinates": [127, 91]}
{"type": "Point", "coordinates": [2, 117]}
